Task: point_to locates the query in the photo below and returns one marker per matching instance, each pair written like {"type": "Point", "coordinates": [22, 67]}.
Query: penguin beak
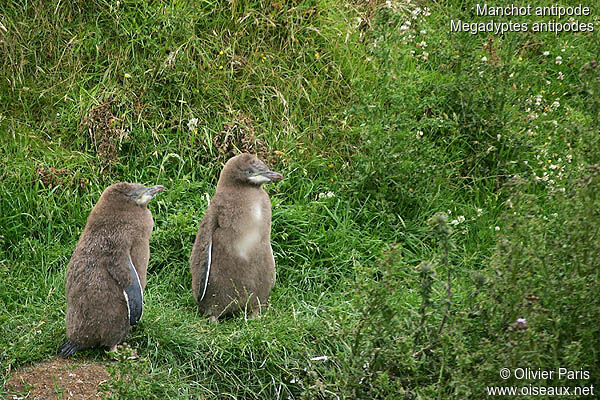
{"type": "Point", "coordinates": [261, 177]}
{"type": "Point", "coordinates": [148, 194]}
{"type": "Point", "coordinates": [272, 176]}
{"type": "Point", "coordinates": [154, 190]}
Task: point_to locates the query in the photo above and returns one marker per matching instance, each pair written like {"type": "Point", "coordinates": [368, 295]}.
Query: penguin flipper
{"type": "Point", "coordinates": [205, 271]}
{"type": "Point", "coordinates": [134, 297]}
{"type": "Point", "coordinates": [68, 348]}
{"type": "Point", "coordinates": [201, 258]}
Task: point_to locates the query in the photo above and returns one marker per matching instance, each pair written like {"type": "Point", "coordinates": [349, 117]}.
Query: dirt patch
{"type": "Point", "coordinates": [61, 177]}
{"type": "Point", "coordinates": [105, 133]}
{"type": "Point", "coordinates": [239, 136]}
{"type": "Point", "coordinates": [58, 379]}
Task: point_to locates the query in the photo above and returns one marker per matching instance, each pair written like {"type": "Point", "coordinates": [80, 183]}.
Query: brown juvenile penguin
{"type": "Point", "coordinates": [232, 262]}
{"type": "Point", "coordinates": [107, 272]}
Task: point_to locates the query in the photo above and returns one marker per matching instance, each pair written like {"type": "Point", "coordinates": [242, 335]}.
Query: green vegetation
{"type": "Point", "coordinates": [379, 119]}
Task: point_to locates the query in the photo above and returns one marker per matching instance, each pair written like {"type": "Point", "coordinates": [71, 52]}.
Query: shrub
{"type": "Point", "coordinates": [539, 307]}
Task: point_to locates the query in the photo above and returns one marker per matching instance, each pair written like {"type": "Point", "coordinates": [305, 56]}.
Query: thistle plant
{"type": "Point", "coordinates": [441, 228]}
{"type": "Point", "coordinates": [426, 276]}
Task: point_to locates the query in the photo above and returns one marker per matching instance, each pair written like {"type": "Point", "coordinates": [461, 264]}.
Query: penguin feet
{"type": "Point", "coordinates": [68, 348]}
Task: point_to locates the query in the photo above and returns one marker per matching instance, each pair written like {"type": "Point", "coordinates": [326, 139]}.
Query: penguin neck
{"type": "Point", "coordinates": [111, 213]}
{"type": "Point", "coordinates": [121, 209]}
{"type": "Point", "coordinates": [236, 186]}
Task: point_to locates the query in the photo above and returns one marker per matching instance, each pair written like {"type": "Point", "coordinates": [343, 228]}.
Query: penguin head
{"type": "Point", "coordinates": [133, 193]}
{"type": "Point", "coordinates": [247, 169]}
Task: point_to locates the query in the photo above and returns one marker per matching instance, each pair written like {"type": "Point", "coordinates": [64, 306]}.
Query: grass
{"type": "Point", "coordinates": [377, 125]}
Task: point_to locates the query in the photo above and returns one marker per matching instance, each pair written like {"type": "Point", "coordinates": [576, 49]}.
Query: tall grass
{"type": "Point", "coordinates": [376, 124]}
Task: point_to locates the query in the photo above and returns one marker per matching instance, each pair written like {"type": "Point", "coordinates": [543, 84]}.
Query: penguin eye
{"type": "Point", "coordinates": [134, 194]}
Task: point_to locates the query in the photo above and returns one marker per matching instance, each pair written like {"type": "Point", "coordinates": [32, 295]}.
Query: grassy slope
{"type": "Point", "coordinates": [340, 104]}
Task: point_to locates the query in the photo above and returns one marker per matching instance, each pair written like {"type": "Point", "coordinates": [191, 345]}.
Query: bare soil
{"type": "Point", "coordinates": [58, 379]}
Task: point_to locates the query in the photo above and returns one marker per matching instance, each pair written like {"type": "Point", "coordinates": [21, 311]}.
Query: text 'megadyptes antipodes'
{"type": "Point", "coordinates": [107, 272]}
{"type": "Point", "coordinates": [232, 264]}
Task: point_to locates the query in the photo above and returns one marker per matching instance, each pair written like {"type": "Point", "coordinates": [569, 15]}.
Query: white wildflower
{"type": "Point", "coordinates": [327, 195]}
{"type": "Point", "coordinates": [459, 220]}
{"type": "Point", "coordinates": [192, 124]}
{"type": "Point", "coordinates": [538, 99]}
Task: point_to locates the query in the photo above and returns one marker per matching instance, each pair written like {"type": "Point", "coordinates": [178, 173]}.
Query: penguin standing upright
{"type": "Point", "coordinates": [232, 264]}
{"type": "Point", "coordinates": [107, 272]}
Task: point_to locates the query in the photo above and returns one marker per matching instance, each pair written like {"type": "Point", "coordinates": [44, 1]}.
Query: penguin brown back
{"type": "Point", "coordinates": [232, 264]}
{"type": "Point", "coordinates": [107, 272]}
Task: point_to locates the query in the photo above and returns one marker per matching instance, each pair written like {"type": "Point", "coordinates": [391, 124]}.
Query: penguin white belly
{"type": "Point", "coordinates": [251, 237]}
{"type": "Point", "coordinates": [247, 242]}
{"type": "Point", "coordinates": [256, 212]}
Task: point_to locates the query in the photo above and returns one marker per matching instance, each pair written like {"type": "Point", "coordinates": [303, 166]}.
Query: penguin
{"type": "Point", "coordinates": [106, 275]}
{"type": "Point", "coordinates": [232, 263]}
